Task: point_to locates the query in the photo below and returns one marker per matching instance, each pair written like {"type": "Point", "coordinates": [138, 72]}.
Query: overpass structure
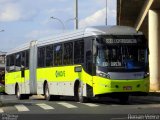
{"type": "Point", "coordinates": [144, 15]}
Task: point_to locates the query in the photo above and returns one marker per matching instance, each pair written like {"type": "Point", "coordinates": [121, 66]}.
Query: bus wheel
{"type": "Point", "coordinates": [124, 99]}
{"type": "Point", "coordinates": [80, 96]}
{"type": "Point", "coordinates": [46, 93]}
{"type": "Point", "coordinates": [18, 95]}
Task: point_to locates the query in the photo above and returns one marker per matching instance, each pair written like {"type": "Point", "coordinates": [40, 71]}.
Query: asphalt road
{"type": "Point", "coordinates": [102, 109]}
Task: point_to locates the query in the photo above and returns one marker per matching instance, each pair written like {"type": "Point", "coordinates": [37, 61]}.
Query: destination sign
{"type": "Point", "coordinates": [116, 41]}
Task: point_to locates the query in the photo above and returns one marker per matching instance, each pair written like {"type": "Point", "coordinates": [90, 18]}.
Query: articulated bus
{"type": "Point", "coordinates": [92, 62]}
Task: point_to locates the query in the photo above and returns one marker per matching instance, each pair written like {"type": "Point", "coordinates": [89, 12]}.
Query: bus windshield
{"type": "Point", "coordinates": [128, 55]}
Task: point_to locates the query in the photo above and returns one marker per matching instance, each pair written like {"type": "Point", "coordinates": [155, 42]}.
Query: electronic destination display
{"type": "Point", "coordinates": [116, 41]}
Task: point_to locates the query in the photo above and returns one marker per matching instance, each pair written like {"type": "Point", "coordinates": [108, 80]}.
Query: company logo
{"type": "Point", "coordinates": [60, 73]}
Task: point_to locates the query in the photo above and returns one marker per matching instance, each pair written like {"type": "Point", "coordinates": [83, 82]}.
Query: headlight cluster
{"type": "Point", "coordinates": [105, 75]}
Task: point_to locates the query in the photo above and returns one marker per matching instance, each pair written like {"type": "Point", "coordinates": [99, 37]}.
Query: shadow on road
{"type": "Point", "coordinates": [133, 100]}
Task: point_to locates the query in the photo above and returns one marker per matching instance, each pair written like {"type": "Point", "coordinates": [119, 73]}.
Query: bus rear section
{"type": "Point", "coordinates": [17, 74]}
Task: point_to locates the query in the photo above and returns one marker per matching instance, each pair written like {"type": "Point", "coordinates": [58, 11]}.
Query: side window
{"type": "Point", "coordinates": [41, 57]}
{"type": "Point", "coordinates": [58, 54]}
{"type": "Point", "coordinates": [68, 53]}
{"type": "Point", "coordinates": [49, 55]}
{"type": "Point", "coordinates": [17, 61]}
{"type": "Point", "coordinates": [27, 59]}
{"type": "Point", "coordinates": [89, 61]}
{"type": "Point", "coordinates": [7, 63]}
{"type": "Point", "coordinates": [23, 58]}
{"type": "Point", "coordinates": [11, 63]}
{"type": "Point", "coordinates": [7, 60]}
{"type": "Point", "coordinates": [12, 60]}
{"type": "Point", "coordinates": [79, 52]}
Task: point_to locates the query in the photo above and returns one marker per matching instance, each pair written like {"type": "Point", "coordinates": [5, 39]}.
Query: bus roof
{"type": "Point", "coordinates": [77, 34]}
{"type": "Point", "coordinates": [89, 31]}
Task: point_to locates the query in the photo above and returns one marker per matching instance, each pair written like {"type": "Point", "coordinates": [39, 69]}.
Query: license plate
{"type": "Point", "coordinates": [127, 88]}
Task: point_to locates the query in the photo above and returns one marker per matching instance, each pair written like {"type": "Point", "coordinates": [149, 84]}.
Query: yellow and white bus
{"type": "Point", "coordinates": [92, 62]}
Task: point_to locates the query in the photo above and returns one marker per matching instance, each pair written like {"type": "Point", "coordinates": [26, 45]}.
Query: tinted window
{"type": "Point", "coordinates": [68, 53]}
{"type": "Point", "coordinates": [12, 60]}
{"type": "Point", "coordinates": [58, 54]}
{"type": "Point", "coordinates": [7, 63]}
{"type": "Point", "coordinates": [18, 61]}
{"type": "Point", "coordinates": [41, 57]}
{"type": "Point", "coordinates": [79, 52]}
{"type": "Point", "coordinates": [27, 59]}
{"type": "Point", "coordinates": [49, 55]}
{"type": "Point", "coordinates": [23, 59]}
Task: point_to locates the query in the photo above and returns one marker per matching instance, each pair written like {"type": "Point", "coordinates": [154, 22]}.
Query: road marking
{"type": "Point", "coordinates": [67, 105]}
{"type": "Point", "coordinates": [91, 104]}
{"type": "Point", "coordinates": [1, 110]}
{"type": "Point", "coordinates": [21, 108]}
{"type": "Point", "coordinates": [45, 106]}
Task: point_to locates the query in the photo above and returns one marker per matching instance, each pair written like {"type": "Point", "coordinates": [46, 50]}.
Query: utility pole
{"type": "Point", "coordinates": [76, 15]}
{"type": "Point", "coordinates": [106, 12]}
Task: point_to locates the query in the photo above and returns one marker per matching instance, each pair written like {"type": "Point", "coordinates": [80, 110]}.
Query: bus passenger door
{"type": "Point", "coordinates": [89, 67]}
{"type": "Point", "coordinates": [23, 67]}
{"type": "Point", "coordinates": [22, 72]}
{"type": "Point", "coordinates": [23, 79]}
{"type": "Point", "coordinates": [25, 72]}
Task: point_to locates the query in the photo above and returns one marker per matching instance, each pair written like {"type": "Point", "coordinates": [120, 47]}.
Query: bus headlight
{"type": "Point", "coordinates": [101, 74]}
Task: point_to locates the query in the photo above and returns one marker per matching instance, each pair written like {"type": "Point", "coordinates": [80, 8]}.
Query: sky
{"type": "Point", "coordinates": [26, 20]}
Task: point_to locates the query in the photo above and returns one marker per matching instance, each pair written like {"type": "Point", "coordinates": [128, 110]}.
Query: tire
{"type": "Point", "coordinates": [18, 95]}
{"type": "Point", "coordinates": [79, 95]}
{"type": "Point", "coordinates": [47, 94]}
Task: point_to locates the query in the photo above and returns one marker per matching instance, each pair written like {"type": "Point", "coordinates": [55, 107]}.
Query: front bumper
{"type": "Point", "coordinates": [104, 86]}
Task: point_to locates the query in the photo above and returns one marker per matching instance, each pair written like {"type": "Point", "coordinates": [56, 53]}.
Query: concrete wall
{"type": "Point", "coordinates": [154, 47]}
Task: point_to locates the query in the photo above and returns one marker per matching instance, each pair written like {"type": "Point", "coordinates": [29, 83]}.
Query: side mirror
{"type": "Point", "coordinates": [78, 69]}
